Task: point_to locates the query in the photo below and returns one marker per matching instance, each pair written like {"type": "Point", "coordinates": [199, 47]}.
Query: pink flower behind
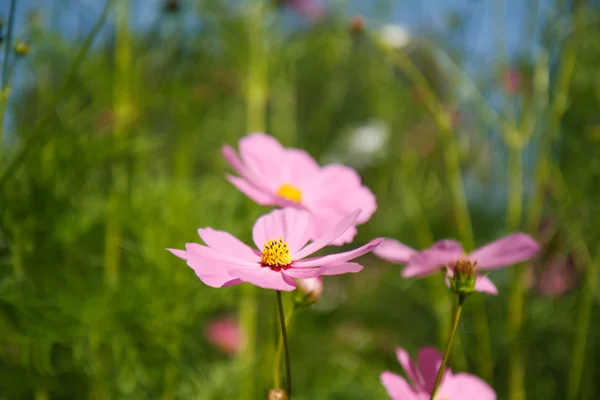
{"type": "Point", "coordinates": [283, 236]}
{"type": "Point", "coordinates": [421, 379]}
{"type": "Point", "coordinates": [225, 334]}
{"type": "Point", "coordinates": [558, 277]}
{"type": "Point", "coordinates": [312, 9]}
{"type": "Point", "coordinates": [272, 175]}
{"type": "Point", "coordinates": [512, 81]}
{"type": "Point", "coordinates": [501, 253]}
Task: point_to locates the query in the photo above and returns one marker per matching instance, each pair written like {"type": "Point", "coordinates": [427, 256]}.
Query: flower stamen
{"type": "Point", "coordinates": [276, 255]}
{"type": "Point", "coordinates": [290, 192]}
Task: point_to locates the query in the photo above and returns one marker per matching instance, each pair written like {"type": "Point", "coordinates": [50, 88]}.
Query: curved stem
{"type": "Point", "coordinates": [440, 374]}
{"type": "Point", "coordinates": [288, 369]}
{"type": "Point", "coordinates": [277, 363]}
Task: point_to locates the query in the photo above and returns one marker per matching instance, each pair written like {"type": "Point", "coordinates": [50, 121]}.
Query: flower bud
{"type": "Point", "coordinates": [462, 281]}
{"type": "Point", "coordinates": [277, 394]}
{"type": "Point", "coordinates": [310, 290]}
{"type": "Point", "coordinates": [21, 49]}
{"type": "Point", "coordinates": [357, 24]}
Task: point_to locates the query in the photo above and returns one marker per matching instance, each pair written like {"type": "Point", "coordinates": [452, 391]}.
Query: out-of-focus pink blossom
{"type": "Point", "coordinates": [226, 335]}
{"type": "Point", "coordinates": [512, 81]}
{"type": "Point", "coordinates": [558, 277]}
{"type": "Point", "coordinates": [421, 380]}
{"type": "Point", "coordinates": [312, 9]}
{"type": "Point", "coordinates": [272, 175]}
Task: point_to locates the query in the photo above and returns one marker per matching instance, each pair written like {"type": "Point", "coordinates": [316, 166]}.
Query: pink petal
{"type": "Point", "coordinates": [323, 193]}
{"type": "Point", "coordinates": [265, 278]}
{"type": "Point", "coordinates": [303, 273]}
{"type": "Point", "coordinates": [259, 196]}
{"type": "Point", "coordinates": [214, 274]}
{"type": "Point", "coordinates": [465, 387]}
{"type": "Point", "coordinates": [178, 253]}
{"type": "Point", "coordinates": [204, 253]}
{"type": "Point", "coordinates": [323, 241]}
{"type": "Point", "coordinates": [324, 220]}
{"type": "Point", "coordinates": [397, 388]}
{"type": "Point", "coordinates": [393, 251]}
{"type": "Point", "coordinates": [290, 224]}
{"type": "Point", "coordinates": [504, 252]}
{"type": "Point", "coordinates": [232, 158]}
{"type": "Point", "coordinates": [430, 361]}
{"type": "Point", "coordinates": [434, 258]}
{"type": "Point", "coordinates": [263, 155]}
{"type": "Point", "coordinates": [343, 268]}
{"type": "Point", "coordinates": [339, 257]}
{"type": "Point", "coordinates": [299, 167]}
{"type": "Point", "coordinates": [485, 285]}
{"type": "Point", "coordinates": [409, 368]}
{"type": "Point", "coordinates": [227, 243]}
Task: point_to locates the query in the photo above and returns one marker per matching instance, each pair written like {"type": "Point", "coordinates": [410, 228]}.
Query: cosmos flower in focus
{"type": "Point", "coordinates": [283, 236]}
{"type": "Point", "coordinates": [501, 253]}
{"type": "Point", "coordinates": [421, 379]}
{"type": "Point", "coordinates": [272, 175]}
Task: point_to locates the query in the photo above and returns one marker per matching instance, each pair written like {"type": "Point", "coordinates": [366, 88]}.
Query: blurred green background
{"type": "Point", "coordinates": [111, 140]}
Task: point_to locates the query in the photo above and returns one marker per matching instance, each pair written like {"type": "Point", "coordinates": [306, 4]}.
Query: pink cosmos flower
{"type": "Point", "coordinates": [272, 175]}
{"type": "Point", "coordinates": [421, 379]}
{"type": "Point", "coordinates": [501, 253]}
{"type": "Point", "coordinates": [558, 277]}
{"type": "Point", "coordinates": [512, 81]}
{"type": "Point", "coordinates": [283, 236]}
{"type": "Point", "coordinates": [225, 334]}
{"type": "Point", "coordinates": [312, 9]}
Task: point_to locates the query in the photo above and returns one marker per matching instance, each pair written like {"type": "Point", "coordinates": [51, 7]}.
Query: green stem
{"type": "Point", "coordinates": [277, 364]}
{"type": "Point", "coordinates": [288, 368]}
{"type": "Point", "coordinates": [256, 99]}
{"type": "Point", "coordinates": [5, 88]}
{"type": "Point", "coordinates": [41, 395]}
{"type": "Point", "coordinates": [443, 120]}
{"type": "Point", "coordinates": [516, 301]}
{"type": "Point", "coordinates": [465, 230]}
{"type": "Point", "coordinates": [34, 140]}
{"type": "Point", "coordinates": [122, 112]}
{"type": "Point", "coordinates": [440, 374]}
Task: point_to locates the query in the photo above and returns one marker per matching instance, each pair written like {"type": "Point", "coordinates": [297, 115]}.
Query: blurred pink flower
{"type": "Point", "coordinates": [225, 333]}
{"type": "Point", "coordinates": [512, 81]}
{"type": "Point", "coordinates": [312, 9]}
{"type": "Point", "coordinates": [312, 288]}
{"type": "Point", "coordinates": [421, 380]}
{"type": "Point", "coordinates": [558, 277]}
{"type": "Point", "coordinates": [272, 175]}
{"type": "Point", "coordinates": [501, 253]}
{"type": "Point", "coordinates": [283, 235]}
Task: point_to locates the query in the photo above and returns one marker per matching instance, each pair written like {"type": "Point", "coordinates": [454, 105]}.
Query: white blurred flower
{"type": "Point", "coordinates": [394, 35]}
{"type": "Point", "coordinates": [369, 139]}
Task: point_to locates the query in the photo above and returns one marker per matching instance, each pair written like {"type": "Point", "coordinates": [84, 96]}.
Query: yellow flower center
{"type": "Point", "coordinates": [290, 192]}
{"type": "Point", "coordinates": [276, 255]}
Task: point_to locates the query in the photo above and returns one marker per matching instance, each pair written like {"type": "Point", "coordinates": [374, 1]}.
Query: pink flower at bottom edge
{"type": "Point", "coordinates": [272, 175]}
{"type": "Point", "coordinates": [501, 253]}
{"type": "Point", "coordinates": [225, 333]}
{"type": "Point", "coordinates": [283, 236]}
{"type": "Point", "coordinates": [421, 380]}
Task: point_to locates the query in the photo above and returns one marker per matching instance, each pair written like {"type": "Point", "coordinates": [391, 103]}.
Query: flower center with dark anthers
{"type": "Point", "coordinates": [276, 255]}
{"type": "Point", "coordinates": [290, 192]}
{"type": "Point", "coordinates": [463, 278]}
{"type": "Point", "coordinates": [464, 268]}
